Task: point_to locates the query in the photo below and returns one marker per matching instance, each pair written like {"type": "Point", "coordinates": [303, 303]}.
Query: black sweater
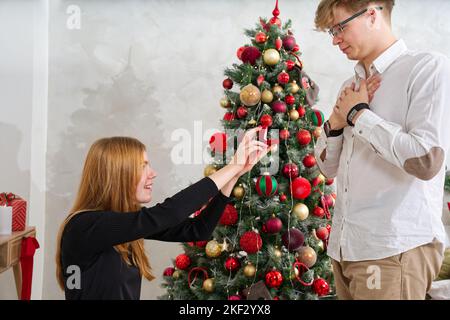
{"type": "Point", "coordinates": [89, 237]}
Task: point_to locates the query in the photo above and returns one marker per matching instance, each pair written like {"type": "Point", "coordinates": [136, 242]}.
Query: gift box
{"type": "Point", "coordinates": [19, 210]}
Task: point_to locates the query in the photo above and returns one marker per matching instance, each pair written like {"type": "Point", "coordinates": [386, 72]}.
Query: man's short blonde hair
{"type": "Point", "coordinates": [325, 16]}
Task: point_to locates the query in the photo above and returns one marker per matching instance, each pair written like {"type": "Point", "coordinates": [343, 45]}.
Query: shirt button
{"type": "Point", "coordinates": [360, 131]}
{"type": "Point", "coordinates": [345, 189]}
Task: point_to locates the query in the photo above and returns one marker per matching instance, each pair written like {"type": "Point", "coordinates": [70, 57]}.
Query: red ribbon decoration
{"type": "Point", "coordinates": [29, 246]}
{"type": "Point", "coordinates": [6, 198]}
{"type": "Point", "coordinates": [325, 207]}
{"type": "Point", "coordinates": [301, 266]}
{"type": "Point", "coordinates": [197, 270]}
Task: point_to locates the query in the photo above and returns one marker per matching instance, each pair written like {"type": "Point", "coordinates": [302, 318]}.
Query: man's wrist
{"type": "Point", "coordinates": [354, 112]}
{"type": "Point", "coordinates": [330, 132]}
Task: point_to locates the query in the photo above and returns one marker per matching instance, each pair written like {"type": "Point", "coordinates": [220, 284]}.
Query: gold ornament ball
{"type": "Point", "coordinates": [176, 274]}
{"type": "Point", "coordinates": [213, 249]}
{"type": "Point", "coordinates": [307, 255]}
{"type": "Point", "coordinates": [277, 253]}
{"type": "Point", "coordinates": [317, 132]}
{"type": "Point", "coordinates": [301, 211]}
{"type": "Point", "coordinates": [250, 95]}
{"type": "Point", "coordinates": [225, 103]}
{"type": "Point", "coordinates": [277, 89]}
{"type": "Point", "coordinates": [249, 270]}
{"type": "Point", "coordinates": [238, 192]}
{"type": "Point", "coordinates": [266, 96]}
{"type": "Point", "coordinates": [209, 170]}
{"type": "Point", "coordinates": [271, 57]}
{"type": "Point", "coordinates": [294, 273]}
{"type": "Point", "coordinates": [321, 246]}
{"type": "Point", "coordinates": [294, 115]}
{"type": "Point", "coordinates": [208, 285]}
{"type": "Point", "coordinates": [294, 87]}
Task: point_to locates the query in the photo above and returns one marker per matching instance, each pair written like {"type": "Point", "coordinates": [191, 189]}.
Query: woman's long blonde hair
{"type": "Point", "coordinates": [111, 172]}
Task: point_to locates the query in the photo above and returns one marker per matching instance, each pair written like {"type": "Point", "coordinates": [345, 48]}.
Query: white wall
{"type": "Point", "coordinates": [146, 68]}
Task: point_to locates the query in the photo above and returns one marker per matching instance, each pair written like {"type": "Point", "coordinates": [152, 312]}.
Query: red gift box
{"type": "Point", "coordinates": [19, 210]}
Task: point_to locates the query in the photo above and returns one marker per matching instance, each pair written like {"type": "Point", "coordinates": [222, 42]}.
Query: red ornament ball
{"type": "Point", "coordinates": [301, 111]}
{"type": "Point", "coordinates": [322, 233]}
{"type": "Point", "coordinates": [309, 161]}
{"type": "Point", "coordinates": [201, 244]}
{"type": "Point", "coordinates": [229, 116]}
{"type": "Point", "coordinates": [266, 185]}
{"type": "Point", "coordinates": [319, 212]}
{"type": "Point", "coordinates": [218, 142]}
{"type": "Point", "coordinates": [290, 99]}
{"type": "Point", "coordinates": [266, 121]}
{"type": "Point", "coordinates": [284, 134]}
{"type": "Point", "coordinates": [274, 279]}
{"type": "Point", "coordinates": [293, 239]}
{"type": "Point", "coordinates": [290, 65]}
{"type": "Point", "coordinates": [229, 216]}
{"type": "Point", "coordinates": [168, 272]}
{"type": "Point", "coordinates": [301, 188]}
{"type": "Point", "coordinates": [250, 55]}
{"type": "Point", "coordinates": [278, 106]}
{"type": "Point", "coordinates": [242, 112]}
{"type": "Point", "coordinates": [260, 37]}
{"type": "Point", "coordinates": [278, 43]}
{"type": "Point", "coordinates": [234, 297]}
{"type": "Point", "coordinates": [283, 197]}
{"type": "Point", "coordinates": [283, 77]}
{"type": "Point", "coordinates": [296, 48]}
{"type": "Point", "coordinates": [290, 170]}
{"type": "Point", "coordinates": [321, 287]}
{"type": "Point", "coordinates": [274, 225]}
{"type": "Point", "coordinates": [227, 84]}
{"type": "Point", "coordinates": [289, 43]}
{"type": "Point", "coordinates": [232, 264]}
{"type": "Point", "coordinates": [239, 52]}
{"type": "Point", "coordinates": [304, 137]}
{"type": "Point", "coordinates": [329, 182]}
{"type": "Point", "coordinates": [276, 21]}
{"type": "Point", "coordinates": [250, 242]}
{"type": "Point", "coordinates": [182, 261]}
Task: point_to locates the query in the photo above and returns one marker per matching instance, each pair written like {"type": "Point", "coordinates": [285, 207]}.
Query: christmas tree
{"type": "Point", "coordinates": [271, 240]}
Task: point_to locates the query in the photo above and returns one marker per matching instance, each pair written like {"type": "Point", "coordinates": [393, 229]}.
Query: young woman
{"type": "Point", "coordinates": [102, 237]}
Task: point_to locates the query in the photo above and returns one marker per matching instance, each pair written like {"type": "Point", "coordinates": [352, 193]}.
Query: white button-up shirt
{"type": "Point", "coordinates": [390, 167]}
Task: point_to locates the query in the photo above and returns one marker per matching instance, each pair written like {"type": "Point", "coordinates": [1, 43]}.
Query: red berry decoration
{"type": "Point", "coordinates": [229, 216]}
{"type": "Point", "coordinates": [290, 170]}
{"type": "Point", "coordinates": [227, 84]}
{"type": "Point", "coordinates": [322, 233]}
{"type": "Point", "coordinates": [309, 161]}
{"type": "Point", "coordinates": [290, 65]}
{"type": "Point", "coordinates": [274, 279]}
{"type": "Point", "coordinates": [319, 212]}
{"type": "Point", "coordinates": [218, 142]}
{"type": "Point", "coordinates": [250, 55]}
{"type": "Point", "coordinates": [278, 106]}
{"type": "Point", "coordinates": [321, 287]}
{"type": "Point", "coordinates": [242, 112]}
{"type": "Point", "coordinates": [266, 121]}
{"type": "Point", "coordinates": [232, 264]}
{"type": "Point", "coordinates": [296, 48]}
{"type": "Point", "coordinates": [284, 134]}
{"type": "Point", "coordinates": [239, 52]}
{"type": "Point", "coordinates": [278, 44]}
{"type": "Point", "coordinates": [283, 197]}
{"type": "Point", "coordinates": [301, 111]}
{"type": "Point", "coordinates": [274, 225]}
{"type": "Point", "coordinates": [168, 272]}
{"type": "Point", "coordinates": [283, 77]}
{"type": "Point", "coordinates": [250, 242]}
{"type": "Point", "coordinates": [329, 182]}
{"type": "Point", "coordinates": [266, 186]}
{"type": "Point", "coordinates": [329, 200]}
{"type": "Point", "coordinates": [289, 43]}
{"type": "Point", "coordinates": [304, 137]}
{"type": "Point", "coordinates": [260, 80]}
{"type": "Point", "coordinates": [290, 99]}
{"type": "Point", "coordinates": [301, 188]}
{"type": "Point", "coordinates": [293, 239]}
{"type": "Point", "coordinates": [182, 261]}
{"type": "Point", "coordinates": [229, 116]}
{"type": "Point", "coordinates": [260, 37]}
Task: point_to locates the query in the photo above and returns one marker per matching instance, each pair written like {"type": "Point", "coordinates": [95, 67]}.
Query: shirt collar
{"type": "Point", "coordinates": [383, 62]}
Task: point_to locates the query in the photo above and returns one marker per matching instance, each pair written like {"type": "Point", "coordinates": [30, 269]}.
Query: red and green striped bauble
{"type": "Point", "coordinates": [317, 117]}
{"type": "Point", "coordinates": [266, 185]}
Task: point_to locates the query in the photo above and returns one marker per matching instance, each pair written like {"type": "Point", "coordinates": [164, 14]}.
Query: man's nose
{"type": "Point", "coordinates": [336, 40]}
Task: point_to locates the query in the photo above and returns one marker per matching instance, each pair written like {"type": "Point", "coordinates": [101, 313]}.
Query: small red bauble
{"type": "Point", "coordinates": [278, 43]}
{"type": "Point", "coordinates": [276, 21]}
{"type": "Point", "coordinates": [232, 264]}
{"type": "Point", "coordinates": [290, 65]}
{"type": "Point", "coordinates": [309, 161]}
{"type": "Point", "coordinates": [304, 137]}
{"type": "Point", "coordinates": [283, 197]}
{"type": "Point", "coordinates": [227, 84]}
{"type": "Point", "coordinates": [301, 111]}
{"type": "Point", "coordinates": [250, 242]}
{"type": "Point", "coordinates": [296, 48]}
{"type": "Point", "coordinates": [239, 52]}
{"type": "Point", "coordinates": [274, 279]}
{"type": "Point", "coordinates": [322, 233]}
{"type": "Point", "coordinates": [289, 43]}
{"type": "Point", "coordinates": [293, 239]}
{"type": "Point", "coordinates": [218, 142]}
{"type": "Point", "coordinates": [182, 261]}
{"type": "Point", "coordinates": [168, 272]}
{"type": "Point", "coordinates": [321, 287]}
{"type": "Point", "coordinates": [266, 121]}
{"type": "Point", "coordinates": [319, 212]}
{"type": "Point", "coordinates": [229, 116]}
{"type": "Point", "coordinates": [242, 112]}
{"type": "Point", "coordinates": [201, 244]}
{"type": "Point", "coordinates": [301, 188]}
{"type": "Point", "coordinates": [290, 170]}
{"type": "Point", "coordinates": [283, 77]}
{"type": "Point", "coordinates": [274, 225]}
{"type": "Point", "coordinates": [278, 106]}
{"type": "Point", "coordinates": [284, 134]}
{"type": "Point", "coordinates": [290, 99]}
{"type": "Point", "coordinates": [329, 182]}
{"type": "Point", "coordinates": [229, 216]}
{"type": "Point", "coordinates": [260, 37]}
{"type": "Point", "coordinates": [250, 55]}
{"type": "Point", "coordinates": [235, 297]}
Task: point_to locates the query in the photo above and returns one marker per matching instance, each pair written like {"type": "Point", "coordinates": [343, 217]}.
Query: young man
{"type": "Point", "coordinates": [388, 155]}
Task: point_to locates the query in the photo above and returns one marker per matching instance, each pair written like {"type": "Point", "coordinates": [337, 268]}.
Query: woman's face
{"type": "Point", "coordinates": [145, 185]}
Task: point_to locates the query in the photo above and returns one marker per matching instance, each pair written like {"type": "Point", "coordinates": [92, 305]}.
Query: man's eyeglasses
{"type": "Point", "coordinates": [339, 28]}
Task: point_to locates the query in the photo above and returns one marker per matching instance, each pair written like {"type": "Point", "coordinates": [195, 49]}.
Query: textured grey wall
{"type": "Point", "coordinates": [146, 68]}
